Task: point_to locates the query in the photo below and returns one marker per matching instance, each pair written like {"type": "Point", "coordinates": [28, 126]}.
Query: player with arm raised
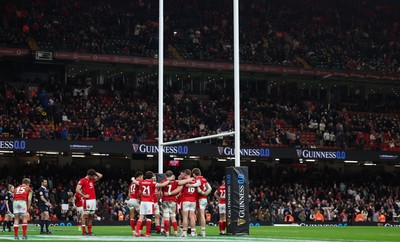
{"type": "Point", "coordinates": [147, 188]}
{"type": "Point", "coordinates": [44, 206]}
{"type": "Point", "coordinates": [220, 195]}
{"type": "Point", "coordinates": [8, 200]}
{"type": "Point", "coordinates": [203, 190]}
{"type": "Point", "coordinates": [169, 205]}
{"type": "Point", "coordinates": [134, 200]}
{"type": "Point", "coordinates": [22, 203]}
{"type": "Point", "coordinates": [86, 189]}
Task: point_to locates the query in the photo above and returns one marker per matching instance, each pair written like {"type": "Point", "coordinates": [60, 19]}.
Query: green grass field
{"type": "Point", "coordinates": [267, 233]}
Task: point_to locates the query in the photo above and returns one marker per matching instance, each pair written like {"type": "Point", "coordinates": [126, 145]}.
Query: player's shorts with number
{"type": "Point", "coordinates": [222, 208]}
{"type": "Point", "coordinates": [20, 207]}
{"type": "Point", "coordinates": [133, 203]}
{"type": "Point", "coordinates": [169, 209]}
{"type": "Point", "coordinates": [189, 206]}
{"type": "Point", "coordinates": [89, 206]}
{"type": "Point", "coordinates": [146, 208]}
{"type": "Point", "coordinates": [203, 203]}
{"type": "Point", "coordinates": [79, 210]}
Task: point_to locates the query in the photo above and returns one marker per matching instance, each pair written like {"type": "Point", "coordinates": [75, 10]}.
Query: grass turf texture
{"type": "Point", "coordinates": [267, 233]}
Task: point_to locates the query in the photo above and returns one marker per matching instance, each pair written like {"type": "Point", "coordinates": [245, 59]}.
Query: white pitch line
{"type": "Point", "coordinates": [130, 238]}
{"type": "Point", "coordinates": [163, 239]}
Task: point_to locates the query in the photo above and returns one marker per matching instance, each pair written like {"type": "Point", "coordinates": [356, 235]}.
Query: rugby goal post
{"type": "Point", "coordinates": [237, 188]}
{"type": "Point", "coordinates": [236, 69]}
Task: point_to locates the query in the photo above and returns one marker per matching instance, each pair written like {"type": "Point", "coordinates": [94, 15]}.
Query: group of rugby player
{"type": "Point", "coordinates": [171, 197]}
{"type": "Point", "coordinates": [18, 202]}
{"type": "Point", "coordinates": [181, 198]}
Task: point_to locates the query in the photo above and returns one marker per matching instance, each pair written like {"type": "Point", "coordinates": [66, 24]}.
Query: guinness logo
{"type": "Point", "coordinates": [299, 152]}
{"type": "Point", "coordinates": [220, 150]}
{"type": "Point", "coordinates": [241, 221]}
{"type": "Point", "coordinates": [135, 147]}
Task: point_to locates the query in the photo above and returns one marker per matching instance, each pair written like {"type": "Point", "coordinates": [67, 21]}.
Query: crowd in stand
{"type": "Point", "coordinates": [275, 192]}
{"type": "Point", "coordinates": [58, 112]}
{"type": "Point", "coordinates": [303, 193]}
{"type": "Point", "coordinates": [344, 35]}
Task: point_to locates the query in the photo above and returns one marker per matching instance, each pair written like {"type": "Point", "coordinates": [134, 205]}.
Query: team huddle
{"type": "Point", "coordinates": [171, 197]}
{"type": "Point", "coordinates": [179, 201]}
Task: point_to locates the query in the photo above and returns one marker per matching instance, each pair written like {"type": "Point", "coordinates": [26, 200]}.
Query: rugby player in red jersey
{"type": "Point", "coordinates": [148, 189]}
{"type": "Point", "coordinates": [22, 203]}
{"type": "Point", "coordinates": [203, 190]}
{"type": "Point", "coordinates": [134, 200]}
{"type": "Point", "coordinates": [189, 198]}
{"type": "Point", "coordinates": [220, 195]}
{"type": "Point", "coordinates": [86, 189]}
{"type": "Point", "coordinates": [169, 205]}
{"type": "Point", "coordinates": [78, 205]}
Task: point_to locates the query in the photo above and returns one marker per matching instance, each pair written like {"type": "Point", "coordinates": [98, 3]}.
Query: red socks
{"type": "Point", "coordinates": [89, 228]}
{"type": "Point", "coordinates": [16, 230]}
{"type": "Point", "coordinates": [166, 222]}
{"type": "Point", "coordinates": [139, 226]}
{"type": "Point", "coordinates": [175, 226]}
{"type": "Point", "coordinates": [24, 228]}
{"type": "Point", "coordinates": [148, 226]}
{"type": "Point", "coordinates": [132, 223]}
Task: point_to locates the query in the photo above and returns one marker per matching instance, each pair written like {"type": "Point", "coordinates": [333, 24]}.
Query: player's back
{"type": "Point", "coordinates": [221, 191]}
{"type": "Point", "coordinates": [168, 189]}
{"type": "Point", "coordinates": [22, 192]}
{"type": "Point", "coordinates": [148, 190]}
{"type": "Point", "coordinates": [88, 188]}
{"type": "Point", "coordinates": [189, 194]}
{"type": "Point", "coordinates": [134, 191]}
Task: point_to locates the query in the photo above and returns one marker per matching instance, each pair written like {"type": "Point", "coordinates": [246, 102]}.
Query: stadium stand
{"type": "Point", "coordinates": [62, 113]}
{"type": "Point", "coordinates": [340, 35]}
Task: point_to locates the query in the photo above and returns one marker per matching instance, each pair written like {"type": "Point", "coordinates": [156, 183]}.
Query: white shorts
{"type": "Point", "coordinates": [156, 209]}
{"type": "Point", "coordinates": [169, 209]}
{"type": "Point", "coordinates": [19, 207]}
{"type": "Point", "coordinates": [146, 208]}
{"type": "Point", "coordinates": [89, 206]}
{"type": "Point", "coordinates": [188, 206]}
{"type": "Point", "coordinates": [79, 210]}
{"type": "Point", "coordinates": [133, 203]}
{"type": "Point", "coordinates": [222, 208]}
{"type": "Point", "coordinates": [203, 203]}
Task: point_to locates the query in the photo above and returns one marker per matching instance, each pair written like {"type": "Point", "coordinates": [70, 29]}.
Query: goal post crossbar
{"type": "Point", "coordinates": [198, 138]}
